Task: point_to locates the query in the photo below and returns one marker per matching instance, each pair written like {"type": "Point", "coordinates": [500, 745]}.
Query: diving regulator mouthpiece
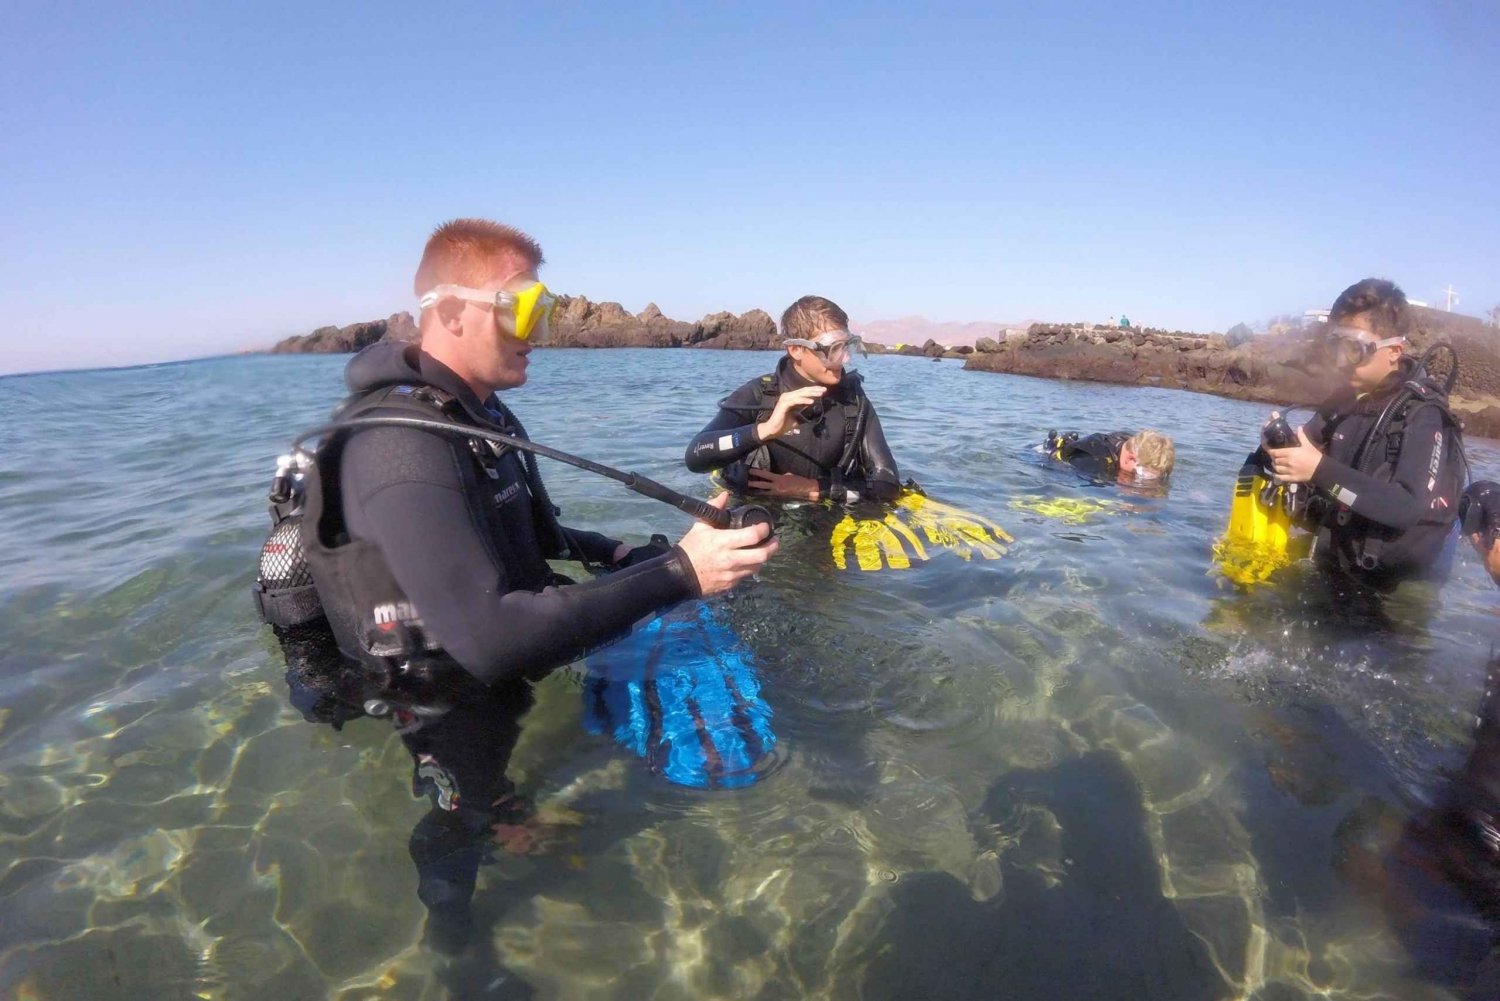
{"type": "Point", "coordinates": [1278, 434]}
{"type": "Point", "coordinates": [750, 515]}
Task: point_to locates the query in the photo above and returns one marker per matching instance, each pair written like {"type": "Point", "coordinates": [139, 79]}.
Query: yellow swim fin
{"type": "Point", "coordinates": [1069, 510]}
{"type": "Point", "coordinates": [962, 532]}
{"type": "Point", "coordinates": [1258, 540]}
{"type": "Point", "coordinates": [894, 540]}
{"type": "Point", "coordinates": [877, 543]}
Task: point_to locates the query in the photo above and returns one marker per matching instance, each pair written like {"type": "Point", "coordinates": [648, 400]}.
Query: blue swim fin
{"type": "Point", "coordinates": [681, 692]}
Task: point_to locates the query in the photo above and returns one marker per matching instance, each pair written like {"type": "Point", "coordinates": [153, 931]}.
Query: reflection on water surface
{"type": "Point", "coordinates": [1086, 769]}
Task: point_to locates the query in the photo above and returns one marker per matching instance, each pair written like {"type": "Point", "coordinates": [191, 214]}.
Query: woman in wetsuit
{"type": "Point", "coordinates": [807, 430]}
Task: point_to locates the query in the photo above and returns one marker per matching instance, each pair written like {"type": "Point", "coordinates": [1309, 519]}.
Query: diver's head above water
{"type": "Point", "coordinates": [482, 305]}
{"type": "Point", "coordinates": [816, 334]}
{"type": "Point", "coordinates": [1479, 519]}
{"type": "Point", "coordinates": [1367, 332]}
{"type": "Point", "coordinates": [1146, 455]}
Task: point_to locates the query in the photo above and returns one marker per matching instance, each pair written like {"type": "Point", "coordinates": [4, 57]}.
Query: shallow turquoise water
{"type": "Point", "coordinates": [1089, 768]}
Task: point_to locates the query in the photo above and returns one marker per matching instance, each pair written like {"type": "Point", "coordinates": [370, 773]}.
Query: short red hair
{"type": "Point", "coordinates": [472, 251]}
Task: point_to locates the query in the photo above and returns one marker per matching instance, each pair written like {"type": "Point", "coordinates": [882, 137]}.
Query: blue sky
{"type": "Point", "coordinates": [180, 181]}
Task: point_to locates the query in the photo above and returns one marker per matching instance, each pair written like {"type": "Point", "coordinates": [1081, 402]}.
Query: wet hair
{"type": "Point", "coordinates": [1153, 450]}
{"type": "Point", "coordinates": [472, 251]}
{"type": "Point", "coordinates": [812, 315]}
{"type": "Point", "coordinates": [1382, 301]}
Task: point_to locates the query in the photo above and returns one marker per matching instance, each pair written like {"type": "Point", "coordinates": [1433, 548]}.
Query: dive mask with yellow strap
{"type": "Point", "coordinates": [532, 307]}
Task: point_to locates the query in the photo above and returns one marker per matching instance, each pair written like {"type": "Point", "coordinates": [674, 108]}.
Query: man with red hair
{"type": "Point", "coordinates": [429, 549]}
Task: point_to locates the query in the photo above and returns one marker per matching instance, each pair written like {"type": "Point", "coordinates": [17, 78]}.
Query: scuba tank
{"type": "Point", "coordinates": [324, 685]}
{"type": "Point", "coordinates": [284, 591]}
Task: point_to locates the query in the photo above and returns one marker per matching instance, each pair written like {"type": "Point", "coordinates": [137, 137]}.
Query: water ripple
{"type": "Point", "coordinates": [170, 826]}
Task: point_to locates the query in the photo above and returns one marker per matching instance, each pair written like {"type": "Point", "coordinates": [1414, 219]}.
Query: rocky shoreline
{"type": "Point", "coordinates": [1284, 370]}
{"type": "Point", "coordinates": [577, 323]}
{"type": "Point", "coordinates": [1268, 369]}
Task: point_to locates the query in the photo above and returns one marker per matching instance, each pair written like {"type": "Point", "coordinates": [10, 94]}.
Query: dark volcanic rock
{"type": "Point", "coordinates": [355, 337]}
{"type": "Point", "coordinates": [580, 323]}
{"type": "Point", "coordinates": [1286, 369]}
{"type": "Point", "coordinates": [1275, 370]}
{"type": "Point", "coordinates": [1476, 344]}
{"type": "Point", "coordinates": [753, 331]}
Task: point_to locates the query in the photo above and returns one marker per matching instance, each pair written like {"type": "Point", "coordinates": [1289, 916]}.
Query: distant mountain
{"type": "Point", "coordinates": [917, 329]}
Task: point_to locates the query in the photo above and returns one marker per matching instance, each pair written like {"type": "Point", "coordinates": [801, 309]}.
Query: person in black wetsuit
{"type": "Point", "coordinates": [1479, 517]}
{"type": "Point", "coordinates": [1385, 456]}
{"type": "Point", "coordinates": [429, 551]}
{"type": "Point", "coordinates": [1115, 455]}
{"type": "Point", "coordinates": [1437, 874]}
{"type": "Point", "coordinates": [807, 430]}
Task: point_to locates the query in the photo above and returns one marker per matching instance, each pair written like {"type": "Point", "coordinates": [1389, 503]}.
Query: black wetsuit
{"type": "Point", "coordinates": [837, 441]}
{"type": "Point", "coordinates": [460, 737]}
{"type": "Point", "coordinates": [469, 548]}
{"type": "Point", "coordinates": [456, 538]}
{"type": "Point", "coordinates": [1445, 872]}
{"type": "Point", "coordinates": [1388, 519]}
{"type": "Point", "coordinates": [1096, 456]}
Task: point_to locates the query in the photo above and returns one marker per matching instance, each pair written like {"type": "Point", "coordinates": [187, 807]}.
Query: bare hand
{"type": "Point", "coordinates": [780, 420]}
{"type": "Point", "coordinates": [1298, 463]}
{"type": "Point", "coordinates": [722, 557]}
{"type": "Point", "coordinates": [784, 484]}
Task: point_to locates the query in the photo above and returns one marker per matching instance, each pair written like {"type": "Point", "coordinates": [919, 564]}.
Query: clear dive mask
{"type": "Point", "coordinates": [1352, 346]}
{"type": "Point", "coordinates": [835, 347]}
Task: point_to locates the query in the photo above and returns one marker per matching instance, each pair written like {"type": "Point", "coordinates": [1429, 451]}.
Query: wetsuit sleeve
{"type": "Point", "coordinates": [592, 546]}
{"type": "Point", "coordinates": [879, 479]}
{"type": "Point", "coordinates": [405, 492]}
{"type": "Point", "coordinates": [725, 439]}
{"type": "Point", "coordinates": [1400, 503]}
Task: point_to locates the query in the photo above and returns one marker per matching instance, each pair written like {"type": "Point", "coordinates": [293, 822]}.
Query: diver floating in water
{"type": "Point", "coordinates": [1115, 456]}
{"type": "Point", "coordinates": [417, 535]}
{"type": "Point", "coordinates": [1375, 475]}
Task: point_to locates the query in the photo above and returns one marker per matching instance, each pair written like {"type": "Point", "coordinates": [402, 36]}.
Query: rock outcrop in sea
{"type": "Point", "coordinates": [355, 337]}
{"type": "Point", "coordinates": [1283, 369]}
{"type": "Point", "coordinates": [1286, 369]}
{"type": "Point", "coordinates": [578, 323]}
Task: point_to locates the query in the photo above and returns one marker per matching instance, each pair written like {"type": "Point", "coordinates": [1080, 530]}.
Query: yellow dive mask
{"type": "Point", "coordinates": [532, 307]}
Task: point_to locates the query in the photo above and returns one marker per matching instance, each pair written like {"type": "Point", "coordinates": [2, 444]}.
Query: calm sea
{"type": "Point", "coordinates": [1088, 769]}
